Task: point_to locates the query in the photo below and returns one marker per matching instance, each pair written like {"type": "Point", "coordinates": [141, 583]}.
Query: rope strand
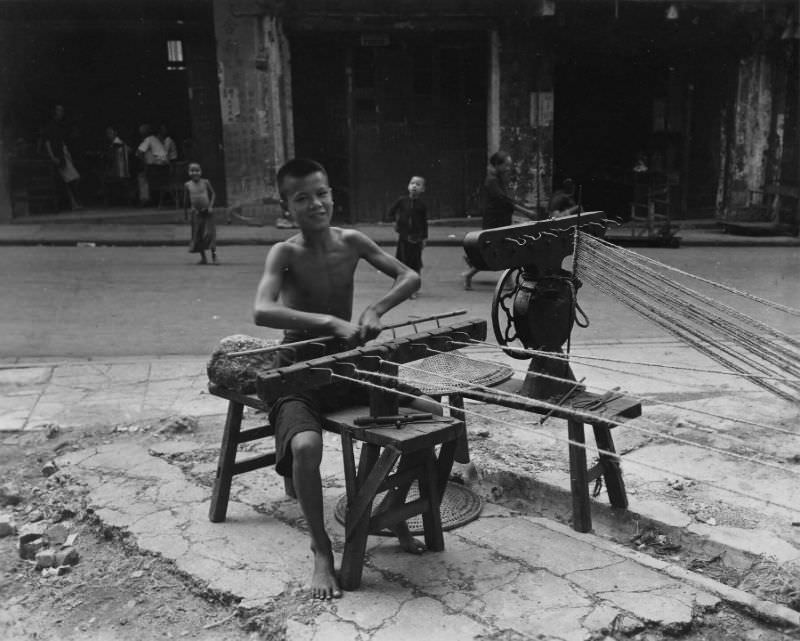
{"type": "Point", "coordinates": [634, 460]}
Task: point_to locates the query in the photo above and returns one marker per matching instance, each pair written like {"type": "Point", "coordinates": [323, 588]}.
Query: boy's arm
{"type": "Point", "coordinates": [211, 195]}
{"type": "Point", "coordinates": [406, 282]}
{"type": "Point", "coordinates": [391, 215]}
{"type": "Point", "coordinates": [269, 311]}
{"type": "Point", "coordinates": [187, 197]}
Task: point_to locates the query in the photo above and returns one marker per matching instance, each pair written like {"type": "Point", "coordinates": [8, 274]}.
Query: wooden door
{"type": "Point", "coordinates": [419, 108]}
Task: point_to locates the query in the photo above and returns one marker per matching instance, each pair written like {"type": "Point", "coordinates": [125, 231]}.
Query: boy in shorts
{"type": "Point", "coordinates": [307, 290]}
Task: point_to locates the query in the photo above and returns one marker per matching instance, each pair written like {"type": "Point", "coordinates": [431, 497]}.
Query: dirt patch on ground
{"type": "Point", "coordinates": [114, 592]}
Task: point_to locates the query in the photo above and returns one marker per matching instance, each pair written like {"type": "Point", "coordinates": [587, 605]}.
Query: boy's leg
{"type": "Point", "coordinates": [306, 458]}
{"type": "Point", "coordinates": [203, 260]}
{"type": "Point", "coordinates": [467, 276]}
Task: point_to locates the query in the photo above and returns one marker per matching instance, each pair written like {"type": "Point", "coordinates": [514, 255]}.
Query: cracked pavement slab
{"type": "Point", "coordinates": [502, 573]}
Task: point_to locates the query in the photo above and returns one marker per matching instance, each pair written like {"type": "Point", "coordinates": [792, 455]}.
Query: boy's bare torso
{"type": "Point", "coordinates": [198, 194]}
{"type": "Point", "coordinates": [320, 279]}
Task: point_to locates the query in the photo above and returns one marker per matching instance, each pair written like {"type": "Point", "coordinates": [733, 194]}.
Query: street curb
{"type": "Point", "coordinates": [551, 496]}
{"type": "Point", "coordinates": [764, 610]}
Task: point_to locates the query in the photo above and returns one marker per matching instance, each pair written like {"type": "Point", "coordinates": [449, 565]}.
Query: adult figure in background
{"type": "Point", "coordinates": [154, 155]}
{"type": "Point", "coordinates": [562, 202]}
{"type": "Point", "coordinates": [55, 146]}
{"type": "Point", "coordinates": [139, 166]}
{"type": "Point", "coordinates": [169, 144]}
{"type": "Point", "coordinates": [497, 206]}
{"type": "Point", "coordinates": [117, 171]}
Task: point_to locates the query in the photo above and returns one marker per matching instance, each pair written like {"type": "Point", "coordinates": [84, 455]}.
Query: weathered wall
{"type": "Point", "coordinates": [753, 118]}
{"type": "Point", "coordinates": [525, 113]}
{"type": "Point", "coordinates": [253, 68]}
{"type": "Point", "coordinates": [754, 143]}
{"type": "Point", "coordinates": [5, 143]}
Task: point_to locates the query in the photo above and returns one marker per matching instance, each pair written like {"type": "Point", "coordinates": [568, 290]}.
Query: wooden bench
{"type": "Point", "coordinates": [616, 410]}
{"type": "Point", "coordinates": [412, 446]}
{"type": "Point", "coordinates": [774, 208]}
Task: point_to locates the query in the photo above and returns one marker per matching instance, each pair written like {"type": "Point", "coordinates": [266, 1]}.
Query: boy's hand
{"type": "Point", "coordinates": [350, 333]}
{"type": "Point", "coordinates": [370, 324]}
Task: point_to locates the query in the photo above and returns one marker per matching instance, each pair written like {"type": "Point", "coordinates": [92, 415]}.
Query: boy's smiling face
{"type": "Point", "coordinates": [416, 186]}
{"type": "Point", "coordinates": [309, 200]}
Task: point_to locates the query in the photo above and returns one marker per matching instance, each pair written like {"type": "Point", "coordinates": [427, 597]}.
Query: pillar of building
{"type": "Point", "coordinates": [255, 97]}
{"type": "Point", "coordinates": [521, 109]}
{"type": "Point", "coordinates": [6, 212]}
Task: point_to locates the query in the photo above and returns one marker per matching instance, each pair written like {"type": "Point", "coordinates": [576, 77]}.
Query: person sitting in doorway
{"type": "Point", "coordinates": [117, 171]}
{"type": "Point", "coordinates": [155, 156]}
{"type": "Point", "coordinates": [55, 146]}
{"type": "Point", "coordinates": [562, 202]}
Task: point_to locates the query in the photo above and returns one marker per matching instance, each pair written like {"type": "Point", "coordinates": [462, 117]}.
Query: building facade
{"type": "Point", "coordinates": [696, 99]}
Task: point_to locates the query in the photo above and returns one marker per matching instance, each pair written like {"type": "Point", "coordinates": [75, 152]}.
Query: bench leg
{"type": "Point", "coordinates": [457, 412]}
{"type": "Point", "coordinates": [612, 473]}
{"type": "Point", "coordinates": [355, 545]}
{"type": "Point", "coordinates": [579, 483]}
{"type": "Point", "coordinates": [227, 458]}
{"type": "Point", "coordinates": [431, 518]}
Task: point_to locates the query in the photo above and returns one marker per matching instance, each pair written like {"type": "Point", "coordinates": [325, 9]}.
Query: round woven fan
{"type": "Point", "coordinates": [460, 505]}
{"type": "Point", "coordinates": [450, 372]}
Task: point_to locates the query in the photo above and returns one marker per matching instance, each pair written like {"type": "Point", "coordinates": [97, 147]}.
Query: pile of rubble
{"type": "Point", "coordinates": [43, 526]}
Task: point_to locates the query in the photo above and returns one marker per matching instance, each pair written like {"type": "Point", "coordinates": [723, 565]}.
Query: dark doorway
{"type": "Point", "coordinates": [638, 103]}
{"type": "Point", "coordinates": [389, 106]}
{"type": "Point", "coordinates": [122, 68]}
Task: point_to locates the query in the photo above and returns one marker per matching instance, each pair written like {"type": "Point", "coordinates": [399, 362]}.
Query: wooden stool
{"type": "Point", "coordinates": [232, 437]}
{"type": "Point", "coordinates": [412, 446]}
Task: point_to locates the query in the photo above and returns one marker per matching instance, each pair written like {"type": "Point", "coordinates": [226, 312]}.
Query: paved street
{"type": "Point", "coordinates": [135, 301]}
{"type": "Point", "coordinates": [148, 318]}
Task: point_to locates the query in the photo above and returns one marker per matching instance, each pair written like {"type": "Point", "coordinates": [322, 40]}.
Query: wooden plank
{"type": "Point", "coordinates": [255, 463]}
{"type": "Point", "coordinates": [256, 433]}
{"type": "Point", "coordinates": [251, 400]}
{"type": "Point", "coordinates": [617, 410]}
{"type": "Point", "coordinates": [389, 518]}
{"type": "Point", "coordinates": [367, 490]}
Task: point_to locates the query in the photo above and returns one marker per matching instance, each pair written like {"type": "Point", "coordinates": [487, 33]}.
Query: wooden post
{"type": "Point", "coordinates": [227, 458]}
{"type": "Point", "coordinates": [579, 483]}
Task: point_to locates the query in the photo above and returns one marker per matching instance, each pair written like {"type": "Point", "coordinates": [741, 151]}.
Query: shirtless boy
{"type": "Point", "coordinates": [307, 290]}
{"type": "Point", "coordinates": [198, 199]}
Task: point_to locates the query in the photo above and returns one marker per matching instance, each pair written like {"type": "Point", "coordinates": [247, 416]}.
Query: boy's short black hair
{"type": "Point", "coordinates": [298, 168]}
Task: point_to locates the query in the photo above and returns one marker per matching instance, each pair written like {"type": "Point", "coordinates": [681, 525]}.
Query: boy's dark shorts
{"type": "Point", "coordinates": [303, 412]}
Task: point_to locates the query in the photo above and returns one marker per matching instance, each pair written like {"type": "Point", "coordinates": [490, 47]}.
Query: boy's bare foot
{"type": "Point", "coordinates": [202, 261]}
{"type": "Point", "coordinates": [408, 542]}
{"type": "Point", "coordinates": [323, 582]}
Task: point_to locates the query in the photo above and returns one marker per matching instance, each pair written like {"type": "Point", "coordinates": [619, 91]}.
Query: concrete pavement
{"type": "Point", "coordinates": [509, 572]}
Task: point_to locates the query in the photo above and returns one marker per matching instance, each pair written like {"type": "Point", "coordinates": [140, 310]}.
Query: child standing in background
{"type": "Point", "coordinates": [410, 218]}
{"type": "Point", "coordinates": [198, 198]}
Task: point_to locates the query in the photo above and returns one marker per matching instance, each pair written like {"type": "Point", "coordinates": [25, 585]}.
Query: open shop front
{"type": "Point", "coordinates": [119, 65]}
